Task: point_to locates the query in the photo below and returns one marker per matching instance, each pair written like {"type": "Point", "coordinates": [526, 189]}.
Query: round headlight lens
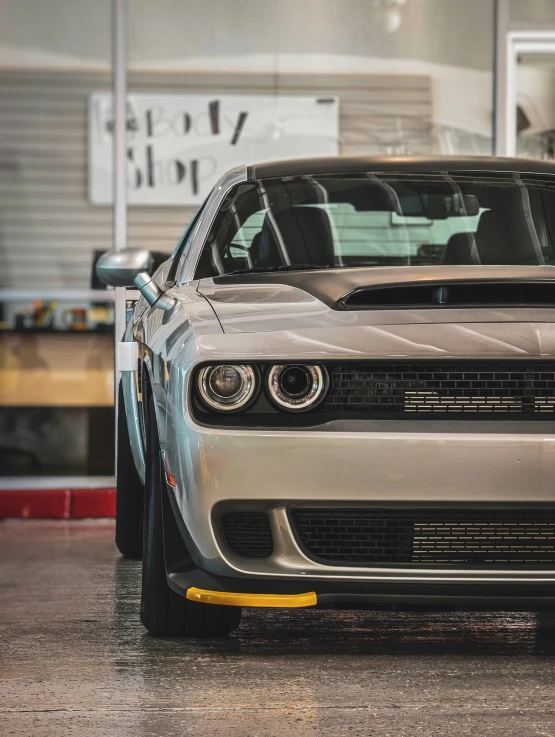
{"type": "Point", "coordinates": [226, 387]}
{"type": "Point", "coordinates": [225, 382]}
{"type": "Point", "coordinates": [297, 388]}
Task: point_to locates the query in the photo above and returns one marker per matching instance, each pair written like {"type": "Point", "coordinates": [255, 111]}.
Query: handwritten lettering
{"type": "Point", "coordinates": [146, 170]}
{"type": "Point", "coordinates": [158, 123]}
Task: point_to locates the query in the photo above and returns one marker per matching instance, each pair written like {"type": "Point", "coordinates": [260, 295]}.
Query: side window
{"type": "Point", "coordinates": [181, 246]}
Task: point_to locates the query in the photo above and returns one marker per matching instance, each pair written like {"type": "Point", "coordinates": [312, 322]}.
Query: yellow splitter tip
{"type": "Point", "coordinates": [228, 598]}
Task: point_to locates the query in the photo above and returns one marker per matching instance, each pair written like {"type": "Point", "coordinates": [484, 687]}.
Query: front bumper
{"type": "Point", "coordinates": [188, 579]}
{"type": "Point", "coordinates": [470, 463]}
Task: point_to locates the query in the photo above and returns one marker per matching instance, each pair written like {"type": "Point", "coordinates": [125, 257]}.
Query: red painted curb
{"type": "Point", "coordinates": [93, 503]}
{"type": "Point", "coordinates": [58, 503]}
{"type": "Point", "coordinates": [51, 503]}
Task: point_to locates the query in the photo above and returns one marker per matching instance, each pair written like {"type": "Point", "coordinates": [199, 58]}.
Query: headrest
{"type": "Point", "coordinates": [461, 250]}
{"type": "Point", "coordinates": [506, 232]}
{"type": "Point", "coordinates": [303, 233]}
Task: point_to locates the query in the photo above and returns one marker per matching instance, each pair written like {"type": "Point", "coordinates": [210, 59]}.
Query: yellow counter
{"type": "Point", "coordinates": [56, 369]}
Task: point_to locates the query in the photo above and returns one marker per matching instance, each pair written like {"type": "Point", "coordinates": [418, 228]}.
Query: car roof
{"type": "Point", "coordinates": [353, 164]}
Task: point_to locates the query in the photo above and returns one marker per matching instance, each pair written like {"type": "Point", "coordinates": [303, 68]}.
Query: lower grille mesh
{"type": "Point", "coordinates": [428, 537]}
{"type": "Point", "coordinates": [248, 533]}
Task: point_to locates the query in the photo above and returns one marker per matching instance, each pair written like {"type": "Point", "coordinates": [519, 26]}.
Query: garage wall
{"type": "Point", "coordinates": [48, 231]}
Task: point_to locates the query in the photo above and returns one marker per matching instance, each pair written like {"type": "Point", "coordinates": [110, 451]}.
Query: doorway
{"type": "Point", "coordinates": [529, 115]}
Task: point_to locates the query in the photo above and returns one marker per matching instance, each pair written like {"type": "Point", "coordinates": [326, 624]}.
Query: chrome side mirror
{"type": "Point", "coordinates": [129, 268]}
{"type": "Point", "coordinates": [120, 268]}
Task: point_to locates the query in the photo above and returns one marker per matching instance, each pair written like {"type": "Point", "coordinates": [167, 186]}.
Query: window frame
{"type": "Point", "coordinates": [177, 255]}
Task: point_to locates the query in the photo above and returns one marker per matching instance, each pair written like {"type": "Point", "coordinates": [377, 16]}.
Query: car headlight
{"type": "Point", "coordinates": [227, 386]}
{"type": "Point", "coordinates": [297, 387]}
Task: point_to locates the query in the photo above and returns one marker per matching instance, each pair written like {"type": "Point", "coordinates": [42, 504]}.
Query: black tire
{"type": "Point", "coordinates": [165, 613]}
{"type": "Point", "coordinates": [129, 495]}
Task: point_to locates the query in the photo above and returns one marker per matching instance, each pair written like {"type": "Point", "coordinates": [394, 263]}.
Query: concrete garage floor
{"type": "Point", "coordinates": [74, 660]}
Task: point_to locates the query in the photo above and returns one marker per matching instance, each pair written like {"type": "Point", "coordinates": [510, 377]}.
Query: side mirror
{"type": "Point", "coordinates": [121, 268]}
{"type": "Point", "coordinates": [131, 268]}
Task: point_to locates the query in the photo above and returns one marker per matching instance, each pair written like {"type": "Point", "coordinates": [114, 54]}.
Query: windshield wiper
{"type": "Point", "coordinates": [288, 267]}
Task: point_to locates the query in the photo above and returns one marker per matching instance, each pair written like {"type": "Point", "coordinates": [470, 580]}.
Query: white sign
{"type": "Point", "coordinates": [179, 145]}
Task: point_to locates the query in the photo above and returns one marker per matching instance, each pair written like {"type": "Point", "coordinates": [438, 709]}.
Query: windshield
{"type": "Point", "coordinates": [383, 220]}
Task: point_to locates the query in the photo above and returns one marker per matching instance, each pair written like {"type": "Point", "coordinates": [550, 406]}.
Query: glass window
{"type": "Point", "coordinates": [383, 220]}
{"type": "Point", "coordinates": [56, 333]}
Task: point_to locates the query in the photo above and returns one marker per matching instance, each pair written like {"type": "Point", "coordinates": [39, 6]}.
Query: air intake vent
{"type": "Point", "coordinates": [248, 533]}
{"type": "Point", "coordinates": [429, 537]}
{"type": "Point", "coordinates": [453, 294]}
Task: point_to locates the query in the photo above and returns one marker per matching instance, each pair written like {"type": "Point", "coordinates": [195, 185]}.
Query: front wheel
{"type": "Point", "coordinates": [165, 613]}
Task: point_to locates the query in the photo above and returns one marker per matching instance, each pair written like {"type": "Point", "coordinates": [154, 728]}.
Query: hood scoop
{"type": "Point", "coordinates": [506, 293]}
{"type": "Point", "coordinates": [375, 287]}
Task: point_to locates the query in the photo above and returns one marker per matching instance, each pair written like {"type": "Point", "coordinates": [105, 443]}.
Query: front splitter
{"type": "Point", "coordinates": [467, 597]}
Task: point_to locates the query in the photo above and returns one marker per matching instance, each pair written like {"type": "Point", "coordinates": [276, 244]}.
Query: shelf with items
{"type": "Point", "coordinates": [57, 316]}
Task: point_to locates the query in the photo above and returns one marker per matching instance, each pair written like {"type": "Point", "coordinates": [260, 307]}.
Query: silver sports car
{"type": "Point", "coordinates": [340, 390]}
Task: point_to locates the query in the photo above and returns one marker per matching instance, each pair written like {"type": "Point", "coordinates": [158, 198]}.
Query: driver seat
{"type": "Point", "coordinates": [303, 233]}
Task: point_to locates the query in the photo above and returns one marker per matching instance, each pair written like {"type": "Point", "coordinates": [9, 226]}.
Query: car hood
{"type": "Point", "coordinates": [296, 300]}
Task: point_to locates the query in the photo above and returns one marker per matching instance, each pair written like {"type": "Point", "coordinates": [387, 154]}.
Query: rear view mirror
{"type": "Point", "coordinates": [120, 268]}
{"type": "Point", "coordinates": [440, 207]}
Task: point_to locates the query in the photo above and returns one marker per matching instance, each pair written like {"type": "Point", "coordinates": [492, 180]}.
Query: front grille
{"type": "Point", "coordinates": [248, 533]}
{"type": "Point", "coordinates": [428, 537]}
{"type": "Point", "coordinates": [526, 389]}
